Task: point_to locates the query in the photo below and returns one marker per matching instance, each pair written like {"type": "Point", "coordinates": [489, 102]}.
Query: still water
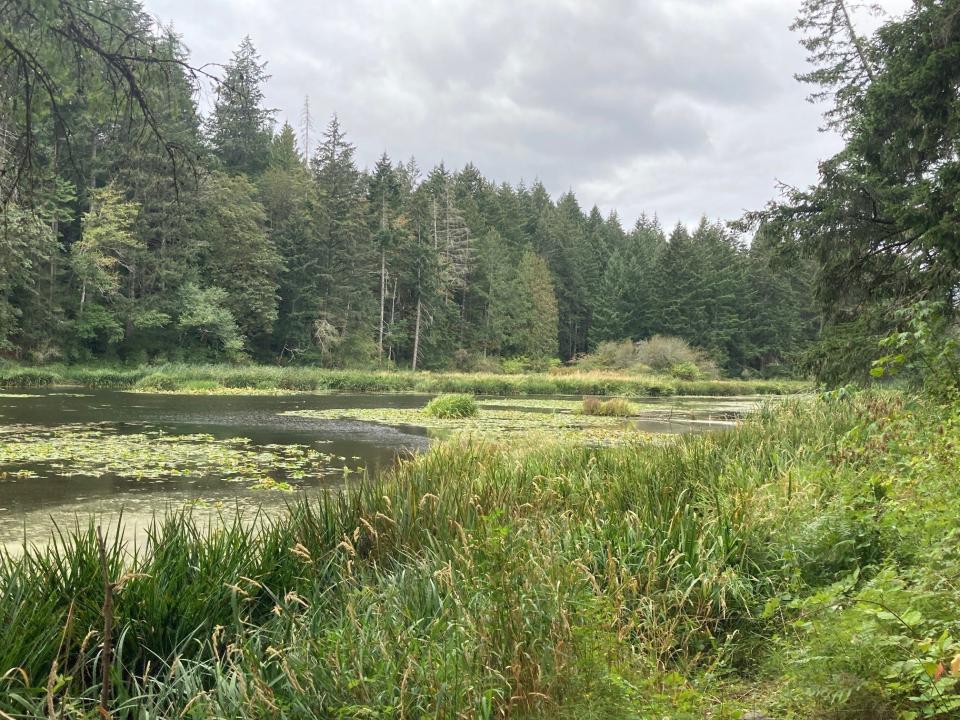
{"type": "Point", "coordinates": [69, 455]}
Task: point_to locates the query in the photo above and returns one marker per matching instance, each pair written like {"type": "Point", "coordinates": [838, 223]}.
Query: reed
{"type": "Point", "coordinates": [614, 407]}
{"type": "Point", "coordinates": [182, 377]}
{"type": "Point", "coordinates": [477, 579]}
{"type": "Point", "coordinates": [452, 406]}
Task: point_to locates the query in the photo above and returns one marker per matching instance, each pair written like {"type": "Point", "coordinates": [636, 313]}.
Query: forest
{"type": "Point", "coordinates": [134, 236]}
{"type": "Point", "coordinates": [225, 493]}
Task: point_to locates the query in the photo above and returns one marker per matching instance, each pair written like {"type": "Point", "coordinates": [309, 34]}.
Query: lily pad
{"type": "Point", "coordinates": [28, 452]}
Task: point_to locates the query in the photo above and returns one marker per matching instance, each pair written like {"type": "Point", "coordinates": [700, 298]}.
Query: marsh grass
{"type": "Point", "coordinates": [206, 378]}
{"type": "Point", "coordinates": [455, 406]}
{"type": "Point", "coordinates": [614, 407]}
{"type": "Point", "coordinates": [478, 579]}
{"type": "Point", "coordinates": [534, 422]}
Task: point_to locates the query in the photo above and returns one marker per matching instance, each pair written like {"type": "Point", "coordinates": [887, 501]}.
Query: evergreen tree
{"type": "Point", "coordinates": [881, 223]}
{"type": "Point", "coordinates": [27, 241]}
{"type": "Point", "coordinates": [387, 226]}
{"type": "Point", "coordinates": [560, 240]}
{"type": "Point", "coordinates": [497, 292]}
{"type": "Point", "coordinates": [535, 331]}
{"type": "Point", "coordinates": [645, 247]}
{"type": "Point", "coordinates": [344, 325]}
{"type": "Point", "coordinates": [289, 197]}
{"type": "Point", "coordinates": [240, 127]}
{"type": "Point", "coordinates": [239, 256]}
{"type": "Point", "coordinates": [612, 310]}
{"type": "Point", "coordinates": [778, 306]}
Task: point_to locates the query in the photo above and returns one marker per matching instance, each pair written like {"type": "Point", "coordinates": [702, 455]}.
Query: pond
{"type": "Point", "coordinates": [67, 455]}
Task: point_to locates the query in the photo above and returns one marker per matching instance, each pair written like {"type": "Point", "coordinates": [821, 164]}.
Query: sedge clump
{"type": "Point", "coordinates": [452, 406]}
{"type": "Point", "coordinates": [615, 407]}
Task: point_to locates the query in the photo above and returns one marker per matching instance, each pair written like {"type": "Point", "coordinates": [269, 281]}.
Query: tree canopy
{"type": "Point", "coordinates": [282, 248]}
{"type": "Point", "coordinates": [881, 225]}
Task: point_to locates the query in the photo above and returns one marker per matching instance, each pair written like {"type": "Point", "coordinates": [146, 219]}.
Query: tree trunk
{"type": "Point", "coordinates": [393, 311]}
{"type": "Point", "coordinates": [93, 159]}
{"type": "Point", "coordinates": [54, 228]}
{"type": "Point", "coordinates": [131, 296]}
{"type": "Point", "coordinates": [857, 41]}
{"type": "Point", "coordinates": [383, 296]}
{"type": "Point", "coordinates": [416, 337]}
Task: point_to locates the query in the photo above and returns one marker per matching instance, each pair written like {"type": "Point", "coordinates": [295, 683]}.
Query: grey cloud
{"type": "Point", "coordinates": [671, 106]}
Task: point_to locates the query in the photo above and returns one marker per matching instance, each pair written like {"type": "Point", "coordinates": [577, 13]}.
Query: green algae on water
{"type": "Point", "coordinates": [28, 452]}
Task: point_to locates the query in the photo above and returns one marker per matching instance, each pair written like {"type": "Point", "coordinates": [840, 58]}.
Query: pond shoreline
{"type": "Point", "coordinates": [103, 451]}
{"type": "Point", "coordinates": [261, 379]}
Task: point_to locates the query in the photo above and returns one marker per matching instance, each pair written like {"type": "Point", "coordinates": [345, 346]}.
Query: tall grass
{"type": "Point", "coordinates": [475, 580]}
{"type": "Point", "coordinates": [176, 377]}
{"type": "Point", "coordinates": [614, 407]}
{"type": "Point", "coordinates": [452, 406]}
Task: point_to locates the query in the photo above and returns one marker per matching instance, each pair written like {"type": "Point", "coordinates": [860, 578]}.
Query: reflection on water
{"type": "Point", "coordinates": [38, 493]}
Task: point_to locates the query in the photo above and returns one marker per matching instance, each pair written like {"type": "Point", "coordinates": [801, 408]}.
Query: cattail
{"type": "Point", "coordinates": [301, 552]}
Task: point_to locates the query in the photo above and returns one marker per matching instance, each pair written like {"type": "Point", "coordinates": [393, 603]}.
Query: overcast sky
{"type": "Point", "coordinates": [674, 107]}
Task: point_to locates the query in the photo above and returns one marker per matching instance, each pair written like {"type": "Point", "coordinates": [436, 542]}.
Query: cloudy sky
{"type": "Point", "coordinates": [674, 107]}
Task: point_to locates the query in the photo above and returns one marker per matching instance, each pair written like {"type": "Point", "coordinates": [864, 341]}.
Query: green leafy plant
{"type": "Point", "coordinates": [663, 353]}
{"type": "Point", "coordinates": [926, 351]}
{"type": "Point", "coordinates": [685, 371]}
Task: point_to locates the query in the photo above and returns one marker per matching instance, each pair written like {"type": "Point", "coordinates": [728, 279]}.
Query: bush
{"type": "Point", "coordinates": [614, 407]}
{"type": "Point", "coordinates": [685, 371]}
{"type": "Point", "coordinates": [452, 406]}
{"type": "Point", "coordinates": [659, 354]}
{"type": "Point", "coordinates": [663, 353]}
{"type": "Point", "coordinates": [612, 354]}
{"type": "Point", "coordinates": [925, 350]}
{"type": "Point", "coordinates": [470, 362]}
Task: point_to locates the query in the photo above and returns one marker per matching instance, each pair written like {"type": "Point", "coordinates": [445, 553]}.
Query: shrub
{"type": "Point", "coordinates": [659, 354]}
{"type": "Point", "coordinates": [614, 407]}
{"type": "Point", "coordinates": [685, 371]}
{"type": "Point", "coordinates": [926, 350]}
{"type": "Point", "coordinates": [612, 354]}
{"type": "Point", "coordinates": [662, 353]}
{"type": "Point", "coordinates": [471, 362]}
{"type": "Point", "coordinates": [452, 406]}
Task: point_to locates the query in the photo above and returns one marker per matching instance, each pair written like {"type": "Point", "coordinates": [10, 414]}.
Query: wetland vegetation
{"type": "Point", "coordinates": [227, 488]}
{"type": "Point", "coordinates": [200, 379]}
{"type": "Point", "coordinates": [709, 575]}
{"type": "Point", "coordinates": [103, 451]}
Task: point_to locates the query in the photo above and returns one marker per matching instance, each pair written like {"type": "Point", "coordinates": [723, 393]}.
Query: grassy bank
{"type": "Point", "coordinates": [802, 565]}
{"type": "Point", "coordinates": [212, 378]}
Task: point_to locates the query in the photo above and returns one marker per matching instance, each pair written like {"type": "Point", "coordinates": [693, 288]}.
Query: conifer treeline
{"type": "Point", "coordinates": [256, 250]}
